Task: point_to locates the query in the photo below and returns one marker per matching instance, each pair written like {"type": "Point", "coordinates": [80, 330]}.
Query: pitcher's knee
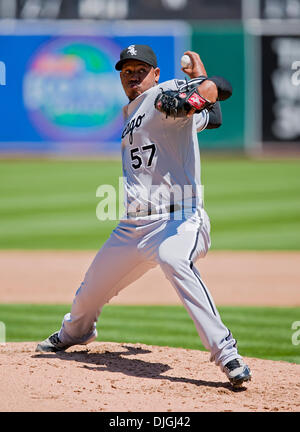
{"type": "Point", "coordinates": [171, 260]}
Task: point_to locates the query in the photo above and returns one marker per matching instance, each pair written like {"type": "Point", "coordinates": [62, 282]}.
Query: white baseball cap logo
{"type": "Point", "coordinates": [131, 50]}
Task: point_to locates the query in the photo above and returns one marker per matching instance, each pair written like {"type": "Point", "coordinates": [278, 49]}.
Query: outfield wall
{"type": "Point", "coordinates": [60, 93]}
{"type": "Point", "coordinates": [63, 95]}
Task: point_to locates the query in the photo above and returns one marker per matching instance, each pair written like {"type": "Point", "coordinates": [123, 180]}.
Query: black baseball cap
{"type": "Point", "coordinates": [143, 53]}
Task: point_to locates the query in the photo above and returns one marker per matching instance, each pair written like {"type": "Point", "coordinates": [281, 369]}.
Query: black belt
{"type": "Point", "coordinates": [167, 209]}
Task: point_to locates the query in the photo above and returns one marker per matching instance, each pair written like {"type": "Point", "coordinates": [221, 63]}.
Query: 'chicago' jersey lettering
{"type": "Point", "coordinates": [133, 124]}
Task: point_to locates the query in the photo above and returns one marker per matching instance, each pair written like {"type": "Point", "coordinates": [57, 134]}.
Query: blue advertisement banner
{"type": "Point", "coordinates": [62, 92]}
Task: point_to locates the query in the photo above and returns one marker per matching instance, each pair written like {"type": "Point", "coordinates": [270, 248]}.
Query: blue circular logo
{"type": "Point", "coordinates": [71, 89]}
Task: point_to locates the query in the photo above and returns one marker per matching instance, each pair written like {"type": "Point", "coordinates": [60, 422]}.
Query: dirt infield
{"type": "Point", "coordinates": [126, 377]}
{"type": "Point", "coordinates": [234, 278]}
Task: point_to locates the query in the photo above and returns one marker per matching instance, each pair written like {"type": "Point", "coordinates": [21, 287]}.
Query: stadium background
{"type": "Point", "coordinates": [60, 102]}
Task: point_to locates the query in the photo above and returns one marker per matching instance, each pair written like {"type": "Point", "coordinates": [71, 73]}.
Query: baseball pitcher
{"type": "Point", "coordinates": [164, 222]}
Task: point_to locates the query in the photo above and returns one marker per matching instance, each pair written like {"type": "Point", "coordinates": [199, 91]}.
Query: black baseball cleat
{"type": "Point", "coordinates": [52, 344]}
{"type": "Point", "coordinates": [237, 372]}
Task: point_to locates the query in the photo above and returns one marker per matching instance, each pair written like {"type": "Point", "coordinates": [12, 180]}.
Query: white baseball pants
{"type": "Point", "coordinates": [133, 248]}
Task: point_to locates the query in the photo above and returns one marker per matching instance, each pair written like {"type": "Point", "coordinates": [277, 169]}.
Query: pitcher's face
{"type": "Point", "coordinates": [137, 77]}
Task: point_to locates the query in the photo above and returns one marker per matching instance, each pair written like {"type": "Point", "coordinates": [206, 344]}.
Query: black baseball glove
{"type": "Point", "coordinates": [178, 103]}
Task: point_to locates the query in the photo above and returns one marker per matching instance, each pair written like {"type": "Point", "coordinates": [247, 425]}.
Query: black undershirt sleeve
{"type": "Point", "coordinates": [224, 87]}
{"type": "Point", "coordinates": [224, 92]}
{"type": "Point", "coordinates": [215, 116]}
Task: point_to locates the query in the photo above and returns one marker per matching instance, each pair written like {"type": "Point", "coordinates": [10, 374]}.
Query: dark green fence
{"type": "Point", "coordinates": [221, 47]}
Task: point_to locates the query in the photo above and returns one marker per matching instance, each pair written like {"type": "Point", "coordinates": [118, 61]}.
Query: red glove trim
{"type": "Point", "coordinates": [197, 101]}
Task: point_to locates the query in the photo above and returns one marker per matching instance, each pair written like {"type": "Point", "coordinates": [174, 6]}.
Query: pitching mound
{"type": "Point", "coordinates": [127, 377]}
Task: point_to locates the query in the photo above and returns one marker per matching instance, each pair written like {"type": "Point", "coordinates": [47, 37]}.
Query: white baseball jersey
{"type": "Point", "coordinates": [161, 160]}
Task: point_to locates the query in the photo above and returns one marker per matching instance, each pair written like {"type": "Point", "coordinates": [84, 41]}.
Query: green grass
{"type": "Point", "coordinates": [47, 204]}
{"type": "Point", "coordinates": [51, 204]}
{"type": "Point", "coordinates": [262, 332]}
